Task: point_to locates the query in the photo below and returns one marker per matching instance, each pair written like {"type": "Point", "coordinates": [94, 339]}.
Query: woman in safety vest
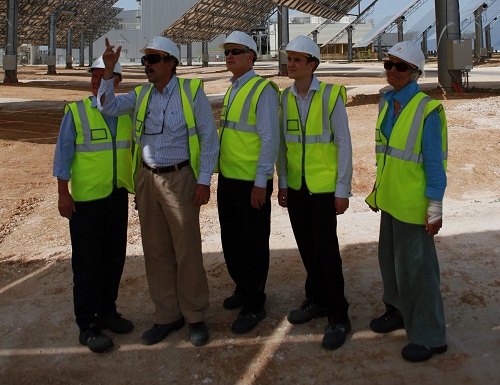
{"type": "Point", "coordinates": [411, 151]}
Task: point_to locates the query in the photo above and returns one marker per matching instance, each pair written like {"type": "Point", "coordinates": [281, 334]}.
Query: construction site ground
{"type": "Point", "coordinates": [39, 343]}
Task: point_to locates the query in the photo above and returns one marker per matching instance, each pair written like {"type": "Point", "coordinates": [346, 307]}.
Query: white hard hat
{"type": "Point", "coordinates": [410, 53]}
{"type": "Point", "coordinates": [99, 63]}
{"type": "Point", "coordinates": [241, 38]}
{"type": "Point", "coordinates": [302, 44]}
{"type": "Point", "coordinates": [161, 43]}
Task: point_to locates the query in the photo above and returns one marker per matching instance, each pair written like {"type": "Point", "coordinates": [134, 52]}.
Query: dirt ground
{"type": "Point", "coordinates": [39, 343]}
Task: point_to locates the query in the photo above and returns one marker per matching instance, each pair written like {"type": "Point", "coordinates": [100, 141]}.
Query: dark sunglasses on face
{"type": "Point", "coordinates": [400, 66]}
{"type": "Point", "coordinates": [152, 58]}
{"type": "Point", "coordinates": [235, 51]}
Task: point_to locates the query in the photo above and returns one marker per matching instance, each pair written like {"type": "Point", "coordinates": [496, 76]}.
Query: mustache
{"type": "Point", "coordinates": [148, 70]}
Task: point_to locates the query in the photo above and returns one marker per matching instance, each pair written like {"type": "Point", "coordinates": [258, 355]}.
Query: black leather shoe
{"type": "Point", "coordinates": [335, 335]}
{"type": "Point", "coordinates": [159, 332]}
{"type": "Point", "coordinates": [95, 339]}
{"type": "Point", "coordinates": [247, 321]}
{"type": "Point", "coordinates": [117, 324]}
{"type": "Point", "coordinates": [198, 333]}
{"type": "Point", "coordinates": [419, 353]}
{"type": "Point", "coordinates": [307, 311]}
{"type": "Point", "coordinates": [391, 320]}
{"type": "Point", "coordinates": [235, 301]}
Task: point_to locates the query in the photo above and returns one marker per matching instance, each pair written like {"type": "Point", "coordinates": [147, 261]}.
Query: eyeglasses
{"type": "Point", "coordinates": [400, 66]}
{"type": "Point", "coordinates": [235, 51]}
{"type": "Point", "coordinates": [152, 58]}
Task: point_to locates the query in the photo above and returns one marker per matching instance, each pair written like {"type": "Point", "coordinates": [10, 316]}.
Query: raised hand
{"type": "Point", "coordinates": [110, 56]}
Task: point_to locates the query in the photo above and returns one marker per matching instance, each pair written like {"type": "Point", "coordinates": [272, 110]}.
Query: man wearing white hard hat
{"type": "Point", "coordinates": [411, 152]}
{"type": "Point", "coordinates": [94, 155]}
{"type": "Point", "coordinates": [249, 139]}
{"type": "Point", "coordinates": [175, 154]}
{"type": "Point", "coordinates": [314, 180]}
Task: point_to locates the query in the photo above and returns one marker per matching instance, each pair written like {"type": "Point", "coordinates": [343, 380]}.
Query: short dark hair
{"type": "Point", "coordinates": [313, 59]}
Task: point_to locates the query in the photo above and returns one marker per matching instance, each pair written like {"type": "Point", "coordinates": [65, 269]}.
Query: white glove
{"type": "Point", "coordinates": [435, 211]}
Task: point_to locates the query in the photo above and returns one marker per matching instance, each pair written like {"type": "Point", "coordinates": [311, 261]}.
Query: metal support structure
{"type": "Point", "coordinates": [283, 38]}
{"type": "Point", "coordinates": [189, 59]}
{"type": "Point", "coordinates": [349, 44]}
{"type": "Point", "coordinates": [424, 44]}
{"type": "Point", "coordinates": [478, 24]}
{"type": "Point", "coordinates": [379, 48]}
{"type": "Point", "coordinates": [447, 28]}
{"type": "Point", "coordinates": [204, 54]}
{"type": "Point", "coordinates": [315, 35]}
{"type": "Point", "coordinates": [91, 46]}
{"type": "Point", "coordinates": [487, 39]}
{"type": "Point", "coordinates": [51, 56]}
{"type": "Point", "coordinates": [10, 57]}
{"type": "Point", "coordinates": [69, 49]}
{"type": "Point", "coordinates": [400, 22]}
{"type": "Point", "coordinates": [82, 49]}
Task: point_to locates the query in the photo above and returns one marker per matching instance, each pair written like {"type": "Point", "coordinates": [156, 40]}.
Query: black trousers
{"type": "Point", "coordinates": [99, 241]}
{"type": "Point", "coordinates": [245, 235]}
{"type": "Point", "coordinates": [314, 223]}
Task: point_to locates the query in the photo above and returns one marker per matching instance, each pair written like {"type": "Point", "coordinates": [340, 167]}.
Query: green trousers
{"type": "Point", "coordinates": [410, 273]}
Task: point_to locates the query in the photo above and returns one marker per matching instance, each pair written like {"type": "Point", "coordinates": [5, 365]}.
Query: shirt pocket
{"type": "Point", "coordinates": [176, 121]}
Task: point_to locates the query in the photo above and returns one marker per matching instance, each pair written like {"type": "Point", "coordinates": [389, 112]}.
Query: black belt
{"type": "Point", "coordinates": [161, 170]}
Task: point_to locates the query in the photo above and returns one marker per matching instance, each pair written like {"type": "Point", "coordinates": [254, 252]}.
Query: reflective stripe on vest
{"type": "Point", "coordinates": [308, 147]}
{"type": "Point", "coordinates": [101, 162]}
{"type": "Point", "coordinates": [239, 142]}
{"type": "Point", "coordinates": [188, 89]}
{"type": "Point", "coordinates": [400, 185]}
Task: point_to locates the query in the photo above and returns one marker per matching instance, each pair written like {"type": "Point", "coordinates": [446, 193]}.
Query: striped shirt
{"type": "Point", "coordinates": [165, 139]}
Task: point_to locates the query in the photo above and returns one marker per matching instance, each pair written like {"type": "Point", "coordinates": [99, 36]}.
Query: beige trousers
{"type": "Point", "coordinates": [171, 240]}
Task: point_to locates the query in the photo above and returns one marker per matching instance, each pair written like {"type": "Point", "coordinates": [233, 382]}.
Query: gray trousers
{"type": "Point", "coordinates": [410, 273]}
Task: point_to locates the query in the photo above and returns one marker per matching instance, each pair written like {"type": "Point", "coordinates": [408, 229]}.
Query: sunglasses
{"type": "Point", "coordinates": [152, 58]}
{"type": "Point", "coordinates": [235, 51]}
{"type": "Point", "coordinates": [400, 66]}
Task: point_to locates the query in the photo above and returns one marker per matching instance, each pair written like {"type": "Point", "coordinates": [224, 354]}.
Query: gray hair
{"type": "Point", "coordinates": [415, 75]}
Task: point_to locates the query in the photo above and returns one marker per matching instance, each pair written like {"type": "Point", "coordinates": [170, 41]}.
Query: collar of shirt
{"type": "Point", "coordinates": [313, 87]}
{"type": "Point", "coordinates": [168, 88]}
{"type": "Point", "coordinates": [93, 100]}
{"type": "Point", "coordinates": [243, 79]}
{"type": "Point", "coordinates": [404, 95]}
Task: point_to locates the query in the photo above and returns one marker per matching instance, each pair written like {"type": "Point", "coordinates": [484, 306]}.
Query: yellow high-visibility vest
{"type": "Point", "coordinates": [188, 89]}
{"type": "Point", "coordinates": [311, 151]}
{"type": "Point", "coordinates": [400, 184]}
{"type": "Point", "coordinates": [101, 162]}
{"type": "Point", "coordinates": [239, 142]}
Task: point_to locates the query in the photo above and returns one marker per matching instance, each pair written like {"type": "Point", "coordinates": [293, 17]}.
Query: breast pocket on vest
{"type": "Point", "coordinates": [99, 134]}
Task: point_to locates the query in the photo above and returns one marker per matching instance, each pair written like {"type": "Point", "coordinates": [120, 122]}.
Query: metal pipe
{"type": "Point", "coordinates": [447, 28]}
{"type": "Point", "coordinates": [10, 57]}
{"type": "Point", "coordinates": [69, 48]}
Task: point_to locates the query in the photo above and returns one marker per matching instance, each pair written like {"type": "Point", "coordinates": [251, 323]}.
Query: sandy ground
{"type": "Point", "coordinates": [40, 339]}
